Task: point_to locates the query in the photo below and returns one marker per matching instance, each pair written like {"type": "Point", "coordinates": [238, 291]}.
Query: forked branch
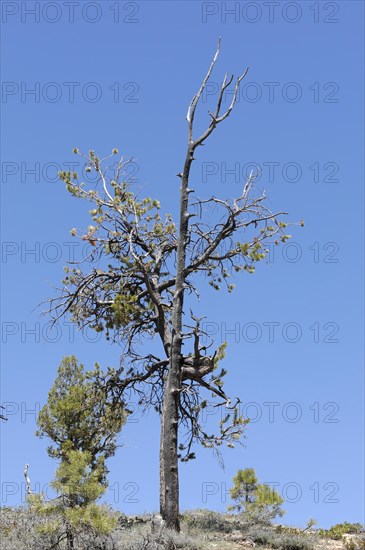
{"type": "Point", "coordinates": [217, 117]}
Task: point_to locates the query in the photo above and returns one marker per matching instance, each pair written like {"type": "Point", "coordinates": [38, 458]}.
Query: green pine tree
{"type": "Point", "coordinates": [259, 503]}
{"type": "Point", "coordinates": [83, 425]}
{"type": "Point", "coordinates": [75, 508]}
{"type": "Point", "coordinates": [79, 417]}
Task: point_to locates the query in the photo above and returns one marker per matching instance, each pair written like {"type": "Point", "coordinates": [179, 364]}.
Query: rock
{"type": "Point", "coordinates": [157, 524]}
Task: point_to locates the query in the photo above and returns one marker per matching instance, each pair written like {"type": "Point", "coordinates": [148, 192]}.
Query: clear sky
{"type": "Point", "coordinates": [121, 74]}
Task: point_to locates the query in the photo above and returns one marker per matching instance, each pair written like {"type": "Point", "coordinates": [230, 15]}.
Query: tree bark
{"type": "Point", "coordinates": [169, 467]}
{"type": "Point", "coordinates": [162, 466]}
{"type": "Point", "coordinates": [70, 538]}
{"type": "Point", "coordinates": [169, 472]}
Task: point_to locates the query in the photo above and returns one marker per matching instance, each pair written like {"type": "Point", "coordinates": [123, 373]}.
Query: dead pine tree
{"type": "Point", "coordinates": [140, 268]}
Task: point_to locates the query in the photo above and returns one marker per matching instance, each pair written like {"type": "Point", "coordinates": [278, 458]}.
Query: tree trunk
{"type": "Point", "coordinates": [169, 472]}
{"type": "Point", "coordinates": [162, 465]}
{"type": "Point", "coordinates": [169, 467]}
{"type": "Point", "coordinates": [70, 538]}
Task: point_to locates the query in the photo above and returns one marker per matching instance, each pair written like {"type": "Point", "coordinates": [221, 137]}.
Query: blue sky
{"type": "Point", "coordinates": [121, 74]}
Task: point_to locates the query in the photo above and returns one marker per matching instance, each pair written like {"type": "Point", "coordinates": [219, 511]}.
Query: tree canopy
{"type": "Point", "coordinates": [78, 417]}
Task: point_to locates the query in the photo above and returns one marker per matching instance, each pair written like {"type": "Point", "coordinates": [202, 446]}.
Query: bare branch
{"type": "Point", "coordinates": [216, 118]}
{"type": "Point", "coordinates": [27, 480]}
{"type": "Point", "coordinates": [194, 102]}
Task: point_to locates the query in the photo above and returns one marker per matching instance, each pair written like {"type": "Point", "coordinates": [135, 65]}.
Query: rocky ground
{"type": "Point", "coordinates": [237, 542]}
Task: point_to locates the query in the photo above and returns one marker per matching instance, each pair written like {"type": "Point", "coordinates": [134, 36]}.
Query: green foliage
{"type": "Point", "coordinates": [78, 487]}
{"type": "Point", "coordinates": [83, 425]}
{"type": "Point", "coordinates": [337, 531]}
{"type": "Point", "coordinates": [245, 484]}
{"type": "Point", "coordinates": [265, 496]}
{"type": "Point", "coordinates": [124, 227]}
{"type": "Point", "coordinates": [125, 309]}
{"type": "Point", "coordinates": [91, 516]}
{"type": "Point", "coordinates": [76, 481]}
{"type": "Point", "coordinates": [78, 417]}
{"type": "Point", "coordinates": [220, 353]}
{"type": "Point", "coordinates": [258, 503]}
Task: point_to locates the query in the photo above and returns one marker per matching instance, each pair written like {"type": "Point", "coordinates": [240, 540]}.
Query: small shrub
{"type": "Point", "coordinates": [292, 542]}
{"type": "Point", "coordinates": [167, 540]}
{"type": "Point", "coordinates": [19, 529]}
{"type": "Point", "coordinates": [261, 535]}
{"type": "Point", "coordinates": [281, 540]}
{"type": "Point", "coordinates": [260, 515]}
{"type": "Point", "coordinates": [208, 521]}
{"type": "Point", "coordinates": [337, 531]}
